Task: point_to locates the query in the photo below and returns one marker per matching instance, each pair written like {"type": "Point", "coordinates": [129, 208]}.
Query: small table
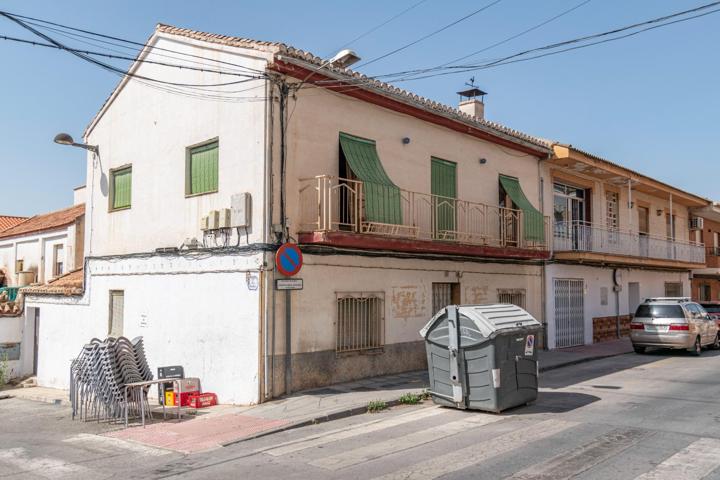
{"type": "Point", "coordinates": [177, 386]}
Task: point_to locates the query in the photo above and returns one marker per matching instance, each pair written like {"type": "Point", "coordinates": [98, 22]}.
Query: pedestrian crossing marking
{"type": "Point", "coordinates": [480, 452]}
{"type": "Point", "coordinates": [46, 467]}
{"type": "Point", "coordinates": [691, 463]}
{"type": "Point", "coordinates": [412, 440]}
{"type": "Point", "coordinates": [103, 444]}
{"type": "Point", "coordinates": [352, 431]}
{"type": "Point", "coordinates": [570, 464]}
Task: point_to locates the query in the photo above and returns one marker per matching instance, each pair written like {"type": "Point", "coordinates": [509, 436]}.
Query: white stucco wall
{"type": "Point", "coordinates": [151, 129]}
{"type": "Point", "coordinates": [36, 251]}
{"type": "Point", "coordinates": [196, 312]}
{"type": "Point", "coordinates": [651, 283]}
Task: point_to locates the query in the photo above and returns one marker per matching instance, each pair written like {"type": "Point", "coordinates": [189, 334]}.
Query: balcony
{"type": "Point", "coordinates": [345, 212]}
{"type": "Point", "coordinates": [712, 257]}
{"type": "Point", "coordinates": [582, 237]}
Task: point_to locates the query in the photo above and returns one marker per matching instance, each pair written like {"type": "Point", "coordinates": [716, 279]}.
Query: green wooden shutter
{"type": "Point", "coordinates": [203, 169]}
{"type": "Point", "coordinates": [381, 195]}
{"type": "Point", "coordinates": [122, 188]}
{"type": "Point", "coordinates": [533, 224]}
{"type": "Point", "coordinates": [443, 185]}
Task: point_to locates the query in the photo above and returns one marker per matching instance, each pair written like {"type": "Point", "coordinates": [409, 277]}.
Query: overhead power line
{"type": "Point", "coordinates": [88, 58]}
{"type": "Point", "coordinates": [141, 45]}
{"type": "Point", "coordinates": [379, 26]}
{"type": "Point", "coordinates": [431, 34]}
{"type": "Point", "coordinates": [551, 49]}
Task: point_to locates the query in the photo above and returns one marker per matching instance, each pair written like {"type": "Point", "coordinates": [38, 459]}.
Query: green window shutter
{"type": "Point", "coordinates": [203, 169]}
{"type": "Point", "coordinates": [122, 188]}
{"type": "Point", "coordinates": [443, 184]}
{"type": "Point", "coordinates": [533, 220]}
{"type": "Point", "coordinates": [382, 196]}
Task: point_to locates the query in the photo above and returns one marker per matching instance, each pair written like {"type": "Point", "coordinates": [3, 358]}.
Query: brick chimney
{"type": "Point", "coordinates": [471, 102]}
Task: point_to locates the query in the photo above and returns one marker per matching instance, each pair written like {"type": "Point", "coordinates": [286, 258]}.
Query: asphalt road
{"type": "Point", "coordinates": [651, 416]}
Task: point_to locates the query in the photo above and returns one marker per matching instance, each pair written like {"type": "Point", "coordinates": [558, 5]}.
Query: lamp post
{"type": "Point", "coordinates": [66, 139]}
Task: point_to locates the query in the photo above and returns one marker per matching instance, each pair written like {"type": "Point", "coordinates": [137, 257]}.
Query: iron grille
{"type": "Point", "coordinates": [360, 321]}
{"type": "Point", "coordinates": [569, 312]}
{"type": "Point", "coordinates": [513, 296]}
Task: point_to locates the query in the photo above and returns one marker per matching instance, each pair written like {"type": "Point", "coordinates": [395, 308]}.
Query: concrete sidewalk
{"type": "Point", "coordinates": [226, 424]}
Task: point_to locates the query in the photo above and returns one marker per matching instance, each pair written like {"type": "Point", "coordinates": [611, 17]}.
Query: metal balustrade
{"type": "Point", "coordinates": [330, 203]}
{"type": "Point", "coordinates": [588, 237]}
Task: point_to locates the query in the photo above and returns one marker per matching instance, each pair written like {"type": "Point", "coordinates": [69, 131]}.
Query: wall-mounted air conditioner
{"type": "Point", "coordinates": [213, 220]}
{"type": "Point", "coordinates": [224, 218]}
{"type": "Point", "coordinates": [240, 205]}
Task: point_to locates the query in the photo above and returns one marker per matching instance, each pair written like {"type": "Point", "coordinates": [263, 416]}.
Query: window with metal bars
{"type": "Point", "coordinates": [512, 296]}
{"type": "Point", "coordinates": [360, 321]}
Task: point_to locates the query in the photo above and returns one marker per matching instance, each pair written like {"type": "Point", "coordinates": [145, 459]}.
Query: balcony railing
{"type": "Point", "coordinates": [712, 251]}
{"type": "Point", "coordinates": [338, 204]}
{"type": "Point", "coordinates": [587, 237]}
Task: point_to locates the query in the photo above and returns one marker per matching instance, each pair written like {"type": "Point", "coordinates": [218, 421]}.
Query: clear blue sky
{"type": "Point", "coordinates": [650, 102]}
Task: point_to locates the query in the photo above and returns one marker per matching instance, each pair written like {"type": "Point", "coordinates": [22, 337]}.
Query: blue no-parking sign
{"type": "Point", "coordinates": [288, 259]}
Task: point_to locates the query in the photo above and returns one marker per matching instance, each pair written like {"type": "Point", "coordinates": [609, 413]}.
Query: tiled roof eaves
{"type": "Point", "coordinates": [347, 74]}
{"type": "Point", "coordinates": [68, 284]}
{"type": "Point", "coordinates": [633, 172]}
{"type": "Point", "coordinates": [74, 213]}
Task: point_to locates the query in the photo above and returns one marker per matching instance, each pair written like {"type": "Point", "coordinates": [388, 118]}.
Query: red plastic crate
{"type": "Point", "coordinates": [202, 400]}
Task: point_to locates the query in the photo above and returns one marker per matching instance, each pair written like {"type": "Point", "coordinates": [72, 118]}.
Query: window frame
{"type": "Point", "coordinates": [111, 195]}
{"type": "Point", "coordinates": [57, 261]}
{"type": "Point", "coordinates": [376, 330]}
{"type": "Point", "coordinates": [188, 167]}
{"type": "Point", "coordinates": [111, 294]}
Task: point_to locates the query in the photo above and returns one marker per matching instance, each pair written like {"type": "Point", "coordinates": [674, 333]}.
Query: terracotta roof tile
{"type": "Point", "coordinates": [69, 284]}
{"type": "Point", "coordinates": [8, 221]}
{"type": "Point", "coordinates": [45, 221]}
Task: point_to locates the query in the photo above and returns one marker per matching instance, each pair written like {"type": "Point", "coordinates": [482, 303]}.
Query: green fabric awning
{"type": "Point", "coordinates": [533, 220]}
{"type": "Point", "coordinates": [382, 196]}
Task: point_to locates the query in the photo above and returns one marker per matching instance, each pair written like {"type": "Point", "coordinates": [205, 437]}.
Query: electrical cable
{"type": "Point", "coordinates": [104, 65]}
{"type": "Point", "coordinates": [379, 26]}
{"type": "Point", "coordinates": [431, 34]}
{"type": "Point", "coordinates": [131, 42]}
{"type": "Point", "coordinates": [649, 24]}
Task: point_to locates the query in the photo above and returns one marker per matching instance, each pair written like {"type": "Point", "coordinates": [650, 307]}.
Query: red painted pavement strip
{"type": "Point", "coordinates": [198, 434]}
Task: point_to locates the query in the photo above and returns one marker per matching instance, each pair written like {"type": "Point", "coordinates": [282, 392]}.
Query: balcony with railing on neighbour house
{"type": "Point", "coordinates": [712, 257]}
{"type": "Point", "coordinates": [333, 208]}
{"type": "Point", "coordinates": [593, 238]}
{"type": "Point", "coordinates": [582, 181]}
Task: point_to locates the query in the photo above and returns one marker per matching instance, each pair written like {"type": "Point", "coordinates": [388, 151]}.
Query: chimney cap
{"type": "Point", "coordinates": [472, 93]}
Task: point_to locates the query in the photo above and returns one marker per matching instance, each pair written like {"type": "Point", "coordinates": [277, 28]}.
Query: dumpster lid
{"type": "Point", "coordinates": [489, 318]}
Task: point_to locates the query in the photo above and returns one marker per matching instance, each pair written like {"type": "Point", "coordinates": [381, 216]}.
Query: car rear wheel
{"type": "Point", "coordinates": [716, 343]}
{"type": "Point", "coordinates": [697, 347]}
{"type": "Point", "coordinates": [638, 349]}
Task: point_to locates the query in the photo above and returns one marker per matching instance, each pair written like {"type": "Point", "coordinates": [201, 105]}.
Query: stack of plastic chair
{"type": "Point", "coordinates": [98, 377]}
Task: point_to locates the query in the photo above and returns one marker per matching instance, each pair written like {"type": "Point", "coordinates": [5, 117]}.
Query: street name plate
{"type": "Point", "coordinates": [289, 284]}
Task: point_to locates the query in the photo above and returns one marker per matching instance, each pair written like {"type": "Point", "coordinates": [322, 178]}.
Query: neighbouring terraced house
{"type": "Point", "coordinates": [401, 205]}
{"type": "Point", "coordinates": [35, 250]}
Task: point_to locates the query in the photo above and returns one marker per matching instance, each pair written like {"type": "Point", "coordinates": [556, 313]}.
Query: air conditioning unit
{"type": "Point", "coordinates": [224, 218]}
{"type": "Point", "coordinates": [697, 223]}
{"type": "Point", "coordinates": [240, 205]}
{"type": "Point", "coordinates": [213, 220]}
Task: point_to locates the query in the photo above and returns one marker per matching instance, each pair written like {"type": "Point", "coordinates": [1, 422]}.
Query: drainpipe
{"type": "Point", "coordinates": [543, 287]}
{"type": "Point", "coordinates": [267, 273]}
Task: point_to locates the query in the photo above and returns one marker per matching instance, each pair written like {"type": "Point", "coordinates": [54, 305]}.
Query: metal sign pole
{"type": "Point", "coordinates": [288, 342]}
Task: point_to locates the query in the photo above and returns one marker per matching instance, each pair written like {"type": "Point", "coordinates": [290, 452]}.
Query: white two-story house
{"type": "Point", "coordinates": [400, 206]}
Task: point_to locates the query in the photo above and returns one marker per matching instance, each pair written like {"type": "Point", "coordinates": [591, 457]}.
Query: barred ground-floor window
{"type": "Point", "coordinates": [360, 322]}
{"type": "Point", "coordinates": [514, 296]}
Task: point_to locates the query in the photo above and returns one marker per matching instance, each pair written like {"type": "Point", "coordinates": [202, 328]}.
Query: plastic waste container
{"type": "Point", "coordinates": [482, 356]}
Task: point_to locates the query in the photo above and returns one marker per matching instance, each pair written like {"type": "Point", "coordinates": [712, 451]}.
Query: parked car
{"type": "Point", "coordinates": [713, 308]}
{"type": "Point", "coordinates": [669, 322]}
